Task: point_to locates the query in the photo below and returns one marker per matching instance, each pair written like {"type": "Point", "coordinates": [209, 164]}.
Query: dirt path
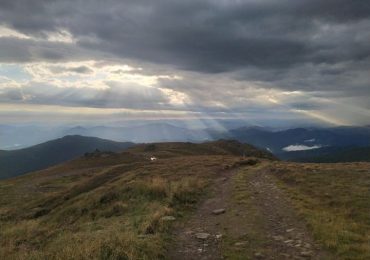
{"type": "Point", "coordinates": [259, 223]}
{"type": "Point", "coordinates": [187, 244]}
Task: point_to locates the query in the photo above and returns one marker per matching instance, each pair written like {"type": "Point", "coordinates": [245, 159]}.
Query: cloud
{"type": "Point", "coordinates": [299, 147]}
{"type": "Point", "coordinates": [208, 56]}
{"type": "Point", "coordinates": [210, 36]}
{"type": "Point", "coordinates": [109, 95]}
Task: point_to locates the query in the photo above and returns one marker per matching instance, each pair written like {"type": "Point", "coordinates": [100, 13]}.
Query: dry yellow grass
{"type": "Point", "coordinates": [110, 212]}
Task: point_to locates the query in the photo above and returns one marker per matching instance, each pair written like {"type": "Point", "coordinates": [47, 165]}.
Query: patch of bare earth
{"type": "Point", "coordinates": [258, 223]}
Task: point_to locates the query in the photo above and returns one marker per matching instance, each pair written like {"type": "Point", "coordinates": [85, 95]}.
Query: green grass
{"type": "Point", "coordinates": [335, 201]}
{"type": "Point", "coordinates": [241, 203]}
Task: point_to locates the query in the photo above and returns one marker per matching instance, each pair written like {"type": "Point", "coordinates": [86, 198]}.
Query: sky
{"type": "Point", "coordinates": [253, 60]}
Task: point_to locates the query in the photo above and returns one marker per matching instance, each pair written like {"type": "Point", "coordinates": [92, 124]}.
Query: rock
{"type": "Point", "coordinates": [218, 211]}
{"type": "Point", "coordinates": [243, 243]}
{"type": "Point", "coordinates": [168, 218]}
{"type": "Point", "coordinates": [278, 238]}
{"type": "Point", "coordinates": [306, 253]}
{"type": "Point", "coordinates": [202, 236]}
{"type": "Point", "coordinates": [288, 241]}
{"type": "Point", "coordinates": [218, 236]}
{"type": "Point", "coordinates": [290, 230]}
{"type": "Point", "coordinates": [258, 255]}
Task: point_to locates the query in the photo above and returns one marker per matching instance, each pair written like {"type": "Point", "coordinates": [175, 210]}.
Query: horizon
{"type": "Point", "coordinates": [17, 137]}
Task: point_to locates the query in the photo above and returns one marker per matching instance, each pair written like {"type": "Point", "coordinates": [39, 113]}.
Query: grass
{"type": "Point", "coordinates": [113, 208]}
{"type": "Point", "coordinates": [335, 201]}
{"type": "Point", "coordinates": [111, 212]}
{"type": "Point", "coordinates": [241, 204]}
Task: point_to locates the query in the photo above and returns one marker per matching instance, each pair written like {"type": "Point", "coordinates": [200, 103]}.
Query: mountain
{"type": "Point", "coordinates": [331, 154]}
{"type": "Point", "coordinates": [16, 137]}
{"type": "Point", "coordinates": [154, 132]}
{"type": "Point", "coordinates": [307, 138]}
{"type": "Point", "coordinates": [220, 147]}
{"type": "Point", "coordinates": [283, 143]}
{"type": "Point", "coordinates": [18, 162]}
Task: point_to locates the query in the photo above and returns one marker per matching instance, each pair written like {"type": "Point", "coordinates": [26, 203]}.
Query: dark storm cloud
{"type": "Point", "coordinates": [29, 50]}
{"type": "Point", "coordinates": [78, 70]}
{"type": "Point", "coordinates": [210, 36]}
{"type": "Point", "coordinates": [81, 69]}
{"type": "Point", "coordinates": [307, 45]}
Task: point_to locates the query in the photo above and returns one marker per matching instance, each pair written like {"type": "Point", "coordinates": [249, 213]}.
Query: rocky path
{"type": "Point", "coordinates": [201, 236]}
{"type": "Point", "coordinates": [248, 217]}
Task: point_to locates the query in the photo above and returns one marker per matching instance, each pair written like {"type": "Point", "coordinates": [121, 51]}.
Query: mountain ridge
{"type": "Point", "coordinates": [40, 156]}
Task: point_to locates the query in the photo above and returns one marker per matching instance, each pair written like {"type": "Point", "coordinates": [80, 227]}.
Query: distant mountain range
{"type": "Point", "coordinates": [12, 137]}
{"type": "Point", "coordinates": [331, 154]}
{"type": "Point", "coordinates": [298, 144]}
{"type": "Point", "coordinates": [338, 144]}
{"type": "Point", "coordinates": [155, 132]}
{"type": "Point", "coordinates": [276, 141]}
{"type": "Point", "coordinates": [18, 162]}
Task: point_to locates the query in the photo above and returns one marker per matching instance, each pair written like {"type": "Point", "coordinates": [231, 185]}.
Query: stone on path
{"type": "Point", "coordinates": [218, 211]}
{"type": "Point", "coordinates": [306, 253]}
{"type": "Point", "coordinates": [202, 236]}
{"type": "Point", "coordinates": [258, 255]}
{"type": "Point", "coordinates": [240, 243]}
{"type": "Point", "coordinates": [278, 238]}
{"type": "Point", "coordinates": [218, 236]}
{"type": "Point", "coordinates": [168, 218]}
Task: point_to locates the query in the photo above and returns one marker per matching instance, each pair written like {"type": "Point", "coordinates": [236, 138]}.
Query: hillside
{"type": "Point", "coordinates": [18, 162]}
{"type": "Point", "coordinates": [220, 147]}
{"type": "Point", "coordinates": [212, 200]}
{"type": "Point", "coordinates": [94, 196]}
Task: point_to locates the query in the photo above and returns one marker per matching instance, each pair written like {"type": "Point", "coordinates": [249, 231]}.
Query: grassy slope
{"type": "Point", "coordinates": [221, 147]}
{"type": "Point", "coordinates": [107, 208]}
{"type": "Point", "coordinates": [111, 207]}
{"type": "Point", "coordinates": [334, 200]}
